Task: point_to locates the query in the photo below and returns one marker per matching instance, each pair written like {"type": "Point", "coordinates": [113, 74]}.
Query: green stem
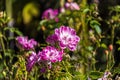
{"type": "Point", "coordinates": [84, 36]}
{"type": "Point", "coordinates": [9, 8]}
{"type": "Point", "coordinates": [25, 75]}
{"type": "Point", "coordinates": [2, 44]}
{"type": "Point", "coordinates": [67, 69]}
{"type": "Point", "coordinates": [112, 34]}
{"type": "Point", "coordinates": [111, 57]}
{"type": "Point", "coordinates": [35, 73]}
{"type": "Point", "coordinates": [111, 60]}
{"type": "Point", "coordinates": [107, 61]}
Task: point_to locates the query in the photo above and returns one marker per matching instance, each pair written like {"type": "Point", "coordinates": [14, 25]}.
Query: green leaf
{"type": "Point", "coordinates": [78, 75]}
{"type": "Point", "coordinates": [1, 76]}
{"type": "Point", "coordinates": [90, 48]}
{"type": "Point", "coordinates": [104, 45]}
{"type": "Point", "coordinates": [12, 29]}
{"type": "Point", "coordinates": [1, 68]}
{"type": "Point", "coordinates": [4, 73]}
{"type": "Point", "coordinates": [43, 21]}
{"type": "Point", "coordinates": [94, 22]}
{"type": "Point", "coordinates": [1, 35]}
{"type": "Point", "coordinates": [86, 10]}
{"type": "Point", "coordinates": [95, 25]}
{"type": "Point", "coordinates": [18, 32]}
{"type": "Point", "coordinates": [0, 56]}
{"type": "Point", "coordinates": [95, 75]}
{"type": "Point", "coordinates": [118, 42]}
{"type": "Point", "coordinates": [48, 75]}
{"type": "Point", "coordinates": [97, 28]}
{"type": "Point", "coordinates": [9, 52]}
{"type": "Point", "coordinates": [119, 49]}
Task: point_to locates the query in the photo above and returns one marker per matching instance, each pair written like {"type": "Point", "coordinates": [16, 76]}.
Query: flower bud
{"type": "Point", "coordinates": [106, 52]}
{"type": "Point", "coordinates": [110, 47]}
{"type": "Point", "coordinates": [1, 14]}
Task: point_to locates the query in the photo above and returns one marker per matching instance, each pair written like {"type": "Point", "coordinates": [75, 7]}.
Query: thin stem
{"type": "Point", "coordinates": [67, 69]}
{"type": "Point", "coordinates": [2, 44]}
{"type": "Point", "coordinates": [111, 60]}
{"type": "Point", "coordinates": [107, 61]}
{"type": "Point", "coordinates": [112, 34]}
{"type": "Point", "coordinates": [84, 36]}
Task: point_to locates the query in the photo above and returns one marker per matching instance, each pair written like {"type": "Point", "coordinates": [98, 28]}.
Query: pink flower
{"type": "Point", "coordinates": [62, 10]}
{"type": "Point", "coordinates": [67, 38]}
{"type": "Point", "coordinates": [25, 43]}
{"type": "Point", "coordinates": [52, 39]}
{"type": "Point", "coordinates": [72, 6]}
{"type": "Point", "coordinates": [31, 61]}
{"type": "Point", "coordinates": [50, 54]}
{"type": "Point", "coordinates": [50, 14]}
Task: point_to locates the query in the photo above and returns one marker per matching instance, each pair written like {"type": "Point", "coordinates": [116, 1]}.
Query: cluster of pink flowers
{"type": "Point", "coordinates": [49, 54]}
{"type": "Point", "coordinates": [25, 43]}
{"type": "Point", "coordinates": [53, 13]}
{"type": "Point", "coordinates": [66, 38]}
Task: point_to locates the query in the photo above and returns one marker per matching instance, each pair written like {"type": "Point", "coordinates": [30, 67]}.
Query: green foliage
{"type": "Point", "coordinates": [95, 75]}
{"type": "Point", "coordinates": [95, 25]}
{"type": "Point", "coordinates": [92, 59]}
{"type": "Point", "coordinates": [118, 42]}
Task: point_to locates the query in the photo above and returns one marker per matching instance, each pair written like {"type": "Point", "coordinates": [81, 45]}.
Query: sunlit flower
{"type": "Point", "coordinates": [72, 6]}
{"type": "Point", "coordinates": [50, 54]}
{"type": "Point", "coordinates": [25, 43]}
{"type": "Point", "coordinates": [50, 14]}
{"type": "Point", "coordinates": [32, 59]}
{"type": "Point", "coordinates": [67, 37]}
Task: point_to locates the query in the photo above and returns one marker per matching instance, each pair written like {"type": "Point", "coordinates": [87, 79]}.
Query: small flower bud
{"type": "Point", "coordinates": [1, 14]}
{"type": "Point", "coordinates": [43, 28]}
{"type": "Point", "coordinates": [110, 47]}
{"type": "Point", "coordinates": [106, 52]}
